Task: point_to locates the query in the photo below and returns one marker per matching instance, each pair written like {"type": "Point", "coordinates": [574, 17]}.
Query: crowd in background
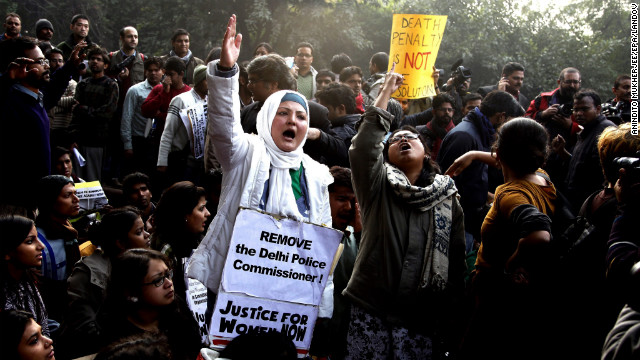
{"type": "Point", "coordinates": [477, 224]}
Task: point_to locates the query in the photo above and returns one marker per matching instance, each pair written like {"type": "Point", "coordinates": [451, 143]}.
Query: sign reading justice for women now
{"type": "Point", "coordinates": [273, 279]}
{"type": "Point", "coordinates": [415, 41]}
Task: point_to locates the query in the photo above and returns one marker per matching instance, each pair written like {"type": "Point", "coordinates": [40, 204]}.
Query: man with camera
{"type": "Point", "coordinates": [618, 109]}
{"type": "Point", "coordinates": [553, 109]}
{"type": "Point", "coordinates": [128, 64]}
{"type": "Point", "coordinates": [458, 87]}
{"type": "Point", "coordinates": [127, 68]}
{"type": "Point", "coordinates": [510, 81]}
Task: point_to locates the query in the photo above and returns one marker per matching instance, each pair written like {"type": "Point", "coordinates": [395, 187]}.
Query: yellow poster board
{"type": "Point", "coordinates": [415, 40]}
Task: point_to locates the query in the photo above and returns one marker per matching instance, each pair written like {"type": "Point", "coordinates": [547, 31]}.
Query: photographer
{"type": "Point", "coordinates": [127, 68]}
{"type": "Point", "coordinates": [618, 109]}
{"type": "Point", "coordinates": [584, 288]}
{"type": "Point", "coordinates": [623, 241]}
{"type": "Point", "coordinates": [457, 87]}
{"type": "Point", "coordinates": [553, 110]}
{"type": "Point", "coordinates": [622, 341]}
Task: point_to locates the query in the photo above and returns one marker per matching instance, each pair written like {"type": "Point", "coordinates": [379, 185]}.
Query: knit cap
{"type": "Point", "coordinates": [199, 74]}
{"type": "Point", "coordinates": [43, 23]}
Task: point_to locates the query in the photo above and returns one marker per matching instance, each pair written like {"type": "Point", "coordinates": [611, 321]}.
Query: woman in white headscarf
{"type": "Point", "coordinates": [269, 171]}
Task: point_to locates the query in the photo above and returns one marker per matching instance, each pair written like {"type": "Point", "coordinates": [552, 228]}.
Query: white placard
{"type": "Point", "coordinates": [195, 121]}
{"type": "Point", "coordinates": [197, 302]}
{"type": "Point", "coordinates": [91, 195]}
{"type": "Point", "coordinates": [276, 259]}
{"type": "Point", "coordinates": [237, 314]}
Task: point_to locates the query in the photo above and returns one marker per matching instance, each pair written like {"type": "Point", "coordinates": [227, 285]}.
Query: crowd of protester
{"type": "Point", "coordinates": [476, 225]}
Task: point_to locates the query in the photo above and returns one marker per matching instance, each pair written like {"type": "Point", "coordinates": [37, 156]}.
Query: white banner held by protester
{"type": "Point", "coordinates": [196, 295]}
{"type": "Point", "coordinates": [195, 121]}
{"type": "Point", "coordinates": [238, 314]}
{"type": "Point", "coordinates": [282, 260]}
{"type": "Point", "coordinates": [273, 279]}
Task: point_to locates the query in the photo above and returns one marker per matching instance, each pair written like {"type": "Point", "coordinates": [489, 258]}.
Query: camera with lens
{"type": "Point", "coordinates": [119, 67]}
{"type": "Point", "coordinates": [459, 74]}
{"type": "Point", "coordinates": [565, 110]}
{"type": "Point", "coordinates": [613, 111]}
{"type": "Point", "coordinates": [632, 166]}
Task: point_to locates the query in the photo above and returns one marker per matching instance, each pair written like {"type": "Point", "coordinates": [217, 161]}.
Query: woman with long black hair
{"type": "Point", "coordinates": [141, 299]}
{"type": "Point", "coordinates": [409, 273]}
{"type": "Point", "coordinates": [20, 256]}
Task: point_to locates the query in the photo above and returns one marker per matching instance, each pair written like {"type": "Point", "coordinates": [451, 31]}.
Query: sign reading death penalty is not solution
{"type": "Point", "coordinates": [274, 277]}
{"type": "Point", "coordinates": [415, 41]}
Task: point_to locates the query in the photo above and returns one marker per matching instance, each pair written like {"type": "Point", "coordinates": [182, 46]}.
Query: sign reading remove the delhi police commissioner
{"type": "Point", "coordinates": [415, 40]}
{"type": "Point", "coordinates": [274, 276]}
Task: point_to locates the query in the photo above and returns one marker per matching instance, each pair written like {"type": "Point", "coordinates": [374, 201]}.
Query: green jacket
{"type": "Point", "coordinates": [388, 269]}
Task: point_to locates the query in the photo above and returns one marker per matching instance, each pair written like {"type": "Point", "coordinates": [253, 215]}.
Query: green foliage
{"type": "Point", "coordinates": [592, 35]}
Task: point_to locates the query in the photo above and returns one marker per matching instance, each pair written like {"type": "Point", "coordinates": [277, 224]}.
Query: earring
{"type": "Point", "coordinates": [133, 299]}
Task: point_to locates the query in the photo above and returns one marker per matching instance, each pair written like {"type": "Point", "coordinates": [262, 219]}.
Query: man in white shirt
{"type": "Point", "coordinates": [181, 154]}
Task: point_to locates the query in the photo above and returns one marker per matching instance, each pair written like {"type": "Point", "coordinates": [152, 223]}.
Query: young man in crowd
{"type": "Point", "coordinates": [12, 26]}
{"type": "Point", "coordinates": [180, 43]}
{"type": "Point", "coordinates": [306, 73]}
{"type": "Point", "coordinates": [79, 32]}
{"type": "Point", "coordinates": [511, 81]}
{"type": "Point", "coordinates": [97, 100]}
{"type": "Point", "coordinates": [134, 128]}
{"type": "Point", "coordinates": [137, 192]}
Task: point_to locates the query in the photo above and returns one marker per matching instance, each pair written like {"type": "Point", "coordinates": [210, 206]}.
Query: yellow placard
{"type": "Point", "coordinates": [415, 40]}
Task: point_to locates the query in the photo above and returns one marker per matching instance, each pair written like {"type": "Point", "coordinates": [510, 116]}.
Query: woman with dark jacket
{"type": "Point", "coordinates": [409, 273]}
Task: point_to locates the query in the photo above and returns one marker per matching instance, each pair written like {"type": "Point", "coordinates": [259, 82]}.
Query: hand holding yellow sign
{"type": "Point", "coordinates": [415, 40]}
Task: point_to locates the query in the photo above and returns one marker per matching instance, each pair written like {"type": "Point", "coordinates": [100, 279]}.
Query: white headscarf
{"type": "Point", "coordinates": [281, 199]}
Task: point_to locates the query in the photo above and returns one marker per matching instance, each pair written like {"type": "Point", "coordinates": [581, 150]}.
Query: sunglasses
{"type": "Point", "coordinates": [160, 281]}
{"type": "Point", "coordinates": [410, 136]}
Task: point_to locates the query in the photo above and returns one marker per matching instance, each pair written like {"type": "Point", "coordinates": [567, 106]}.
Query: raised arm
{"type": "Point", "coordinates": [230, 45]}
{"type": "Point", "coordinates": [224, 131]}
{"type": "Point", "coordinates": [365, 154]}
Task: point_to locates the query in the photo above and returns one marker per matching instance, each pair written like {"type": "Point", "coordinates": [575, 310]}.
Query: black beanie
{"type": "Point", "coordinates": [43, 23]}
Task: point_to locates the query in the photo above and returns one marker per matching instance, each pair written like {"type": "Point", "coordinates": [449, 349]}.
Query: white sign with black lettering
{"type": "Point", "coordinates": [236, 314]}
{"type": "Point", "coordinates": [276, 259]}
{"type": "Point", "coordinates": [91, 195]}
